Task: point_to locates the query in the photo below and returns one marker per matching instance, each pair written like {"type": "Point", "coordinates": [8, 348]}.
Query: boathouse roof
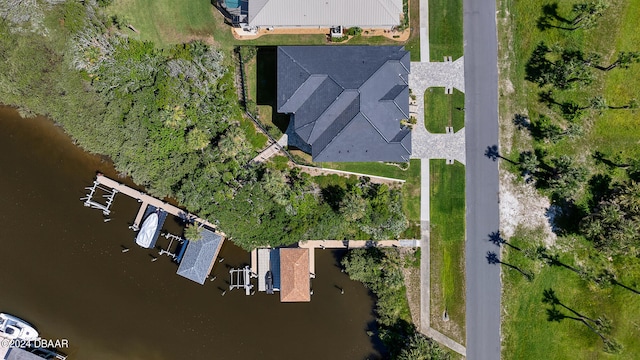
{"type": "Point", "coordinates": [295, 283]}
{"type": "Point", "coordinates": [15, 353]}
{"type": "Point", "coordinates": [200, 256]}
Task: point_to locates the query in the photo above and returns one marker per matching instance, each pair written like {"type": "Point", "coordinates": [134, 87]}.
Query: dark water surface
{"type": "Point", "coordinates": [62, 269]}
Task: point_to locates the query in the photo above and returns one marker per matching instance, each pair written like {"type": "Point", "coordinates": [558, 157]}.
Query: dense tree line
{"type": "Point", "coordinates": [169, 119]}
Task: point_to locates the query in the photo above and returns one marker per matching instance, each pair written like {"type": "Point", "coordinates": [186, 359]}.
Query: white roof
{"type": "Point", "coordinates": [325, 13]}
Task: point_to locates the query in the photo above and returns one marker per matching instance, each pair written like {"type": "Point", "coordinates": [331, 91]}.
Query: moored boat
{"type": "Point", "coordinates": [148, 230]}
{"type": "Point", "coordinates": [14, 328]}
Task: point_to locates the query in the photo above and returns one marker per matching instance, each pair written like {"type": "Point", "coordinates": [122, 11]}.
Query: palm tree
{"type": "Point", "coordinates": [528, 162]}
{"type": "Point", "coordinates": [193, 232]}
{"type": "Point", "coordinates": [588, 13]}
{"type": "Point", "coordinates": [624, 60]}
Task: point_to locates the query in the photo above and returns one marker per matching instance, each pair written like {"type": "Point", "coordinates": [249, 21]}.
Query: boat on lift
{"type": "Point", "coordinates": [148, 230]}
{"type": "Point", "coordinates": [12, 327]}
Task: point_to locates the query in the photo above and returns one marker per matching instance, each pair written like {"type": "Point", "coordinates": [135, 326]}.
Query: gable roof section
{"type": "Point", "coordinates": [295, 283]}
{"type": "Point", "coordinates": [325, 13]}
{"type": "Point", "coordinates": [349, 95]}
{"type": "Point", "coordinates": [198, 259]}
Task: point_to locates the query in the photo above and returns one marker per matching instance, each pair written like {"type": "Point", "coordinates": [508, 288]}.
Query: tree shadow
{"type": "Point", "coordinates": [600, 187]}
{"type": "Point", "coordinates": [521, 122]}
{"type": "Point", "coordinates": [492, 153]}
{"type": "Point", "coordinates": [333, 195]}
{"type": "Point", "coordinates": [380, 350]}
{"type": "Point", "coordinates": [550, 16]}
{"type": "Point", "coordinates": [493, 259]}
{"type": "Point", "coordinates": [496, 239]}
{"type": "Point", "coordinates": [538, 67]}
{"type": "Point", "coordinates": [267, 84]}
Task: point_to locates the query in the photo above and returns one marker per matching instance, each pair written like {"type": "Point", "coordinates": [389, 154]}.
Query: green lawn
{"type": "Point", "coordinates": [442, 110]}
{"type": "Point", "coordinates": [164, 23]}
{"type": "Point", "coordinates": [445, 29]}
{"type": "Point", "coordinates": [413, 44]}
{"type": "Point", "coordinates": [410, 189]}
{"type": "Point", "coordinates": [447, 239]}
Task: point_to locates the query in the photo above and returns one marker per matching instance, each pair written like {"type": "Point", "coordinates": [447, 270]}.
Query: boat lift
{"type": "Point", "coordinates": [171, 239]}
{"type": "Point", "coordinates": [110, 194]}
{"type": "Point", "coordinates": [241, 278]}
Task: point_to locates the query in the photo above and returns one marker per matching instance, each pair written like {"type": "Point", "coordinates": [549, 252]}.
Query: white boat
{"type": "Point", "coordinates": [12, 327]}
{"type": "Point", "coordinates": [148, 229]}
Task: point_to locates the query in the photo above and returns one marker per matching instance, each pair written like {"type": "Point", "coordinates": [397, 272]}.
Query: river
{"type": "Point", "coordinates": [62, 269]}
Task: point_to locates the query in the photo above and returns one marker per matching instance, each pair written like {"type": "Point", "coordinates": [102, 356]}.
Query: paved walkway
{"type": "Point", "coordinates": [269, 152]}
{"type": "Point", "coordinates": [429, 74]}
{"type": "Point", "coordinates": [424, 30]}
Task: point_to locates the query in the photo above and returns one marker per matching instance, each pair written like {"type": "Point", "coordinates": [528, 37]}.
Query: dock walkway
{"type": "Point", "coordinates": [147, 200]}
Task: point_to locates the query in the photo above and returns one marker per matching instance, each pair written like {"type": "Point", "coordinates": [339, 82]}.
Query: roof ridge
{"type": "Point", "coordinates": [282, 48]}
{"type": "Point", "coordinates": [324, 77]}
{"type": "Point", "coordinates": [375, 127]}
{"type": "Point", "coordinates": [257, 12]}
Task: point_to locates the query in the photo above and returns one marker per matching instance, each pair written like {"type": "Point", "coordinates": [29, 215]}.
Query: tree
{"type": "Point", "coordinates": [565, 177]}
{"type": "Point", "coordinates": [197, 139]}
{"type": "Point", "coordinates": [353, 206]}
{"type": "Point", "coordinates": [419, 347]}
{"type": "Point", "coordinates": [193, 232]}
{"type": "Point", "coordinates": [614, 224]}
{"type": "Point", "coordinates": [624, 61]}
{"type": "Point", "coordinates": [587, 13]}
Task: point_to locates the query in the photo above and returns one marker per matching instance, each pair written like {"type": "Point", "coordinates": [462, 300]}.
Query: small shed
{"type": "Point", "coordinates": [199, 257]}
{"type": "Point", "coordinates": [295, 281]}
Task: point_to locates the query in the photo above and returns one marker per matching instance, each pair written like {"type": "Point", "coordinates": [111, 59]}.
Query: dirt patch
{"type": "Point", "coordinates": [244, 35]}
{"type": "Point", "coordinates": [394, 35]}
{"type": "Point", "coordinates": [411, 277]}
{"type": "Point", "coordinates": [522, 206]}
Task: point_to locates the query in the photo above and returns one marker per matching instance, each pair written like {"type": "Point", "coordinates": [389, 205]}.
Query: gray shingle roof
{"type": "Point", "coordinates": [199, 256]}
{"type": "Point", "coordinates": [347, 101]}
{"type": "Point", "coordinates": [325, 13]}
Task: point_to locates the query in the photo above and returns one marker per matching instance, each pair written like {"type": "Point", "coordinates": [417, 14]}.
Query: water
{"type": "Point", "coordinates": [62, 269]}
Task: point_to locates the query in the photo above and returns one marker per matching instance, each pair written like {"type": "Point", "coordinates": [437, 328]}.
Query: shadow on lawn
{"type": "Point", "coordinates": [267, 79]}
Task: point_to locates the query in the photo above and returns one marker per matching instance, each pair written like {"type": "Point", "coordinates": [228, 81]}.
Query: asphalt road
{"type": "Point", "coordinates": [481, 107]}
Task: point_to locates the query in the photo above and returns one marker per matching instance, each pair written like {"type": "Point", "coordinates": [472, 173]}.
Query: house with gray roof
{"type": "Point", "coordinates": [346, 102]}
{"type": "Point", "coordinates": [315, 13]}
{"type": "Point", "coordinates": [199, 257]}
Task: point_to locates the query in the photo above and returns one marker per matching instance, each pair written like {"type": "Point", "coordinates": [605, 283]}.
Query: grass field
{"type": "Point", "coordinates": [616, 133]}
{"type": "Point", "coordinates": [445, 29]}
{"type": "Point", "coordinates": [529, 334]}
{"type": "Point", "coordinates": [442, 110]}
{"type": "Point", "coordinates": [447, 241]}
{"type": "Point", "coordinates": [164, 23]}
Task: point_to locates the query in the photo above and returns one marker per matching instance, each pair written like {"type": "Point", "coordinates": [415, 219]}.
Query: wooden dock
{"type": "Point", "coordinates": [147, 200]}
